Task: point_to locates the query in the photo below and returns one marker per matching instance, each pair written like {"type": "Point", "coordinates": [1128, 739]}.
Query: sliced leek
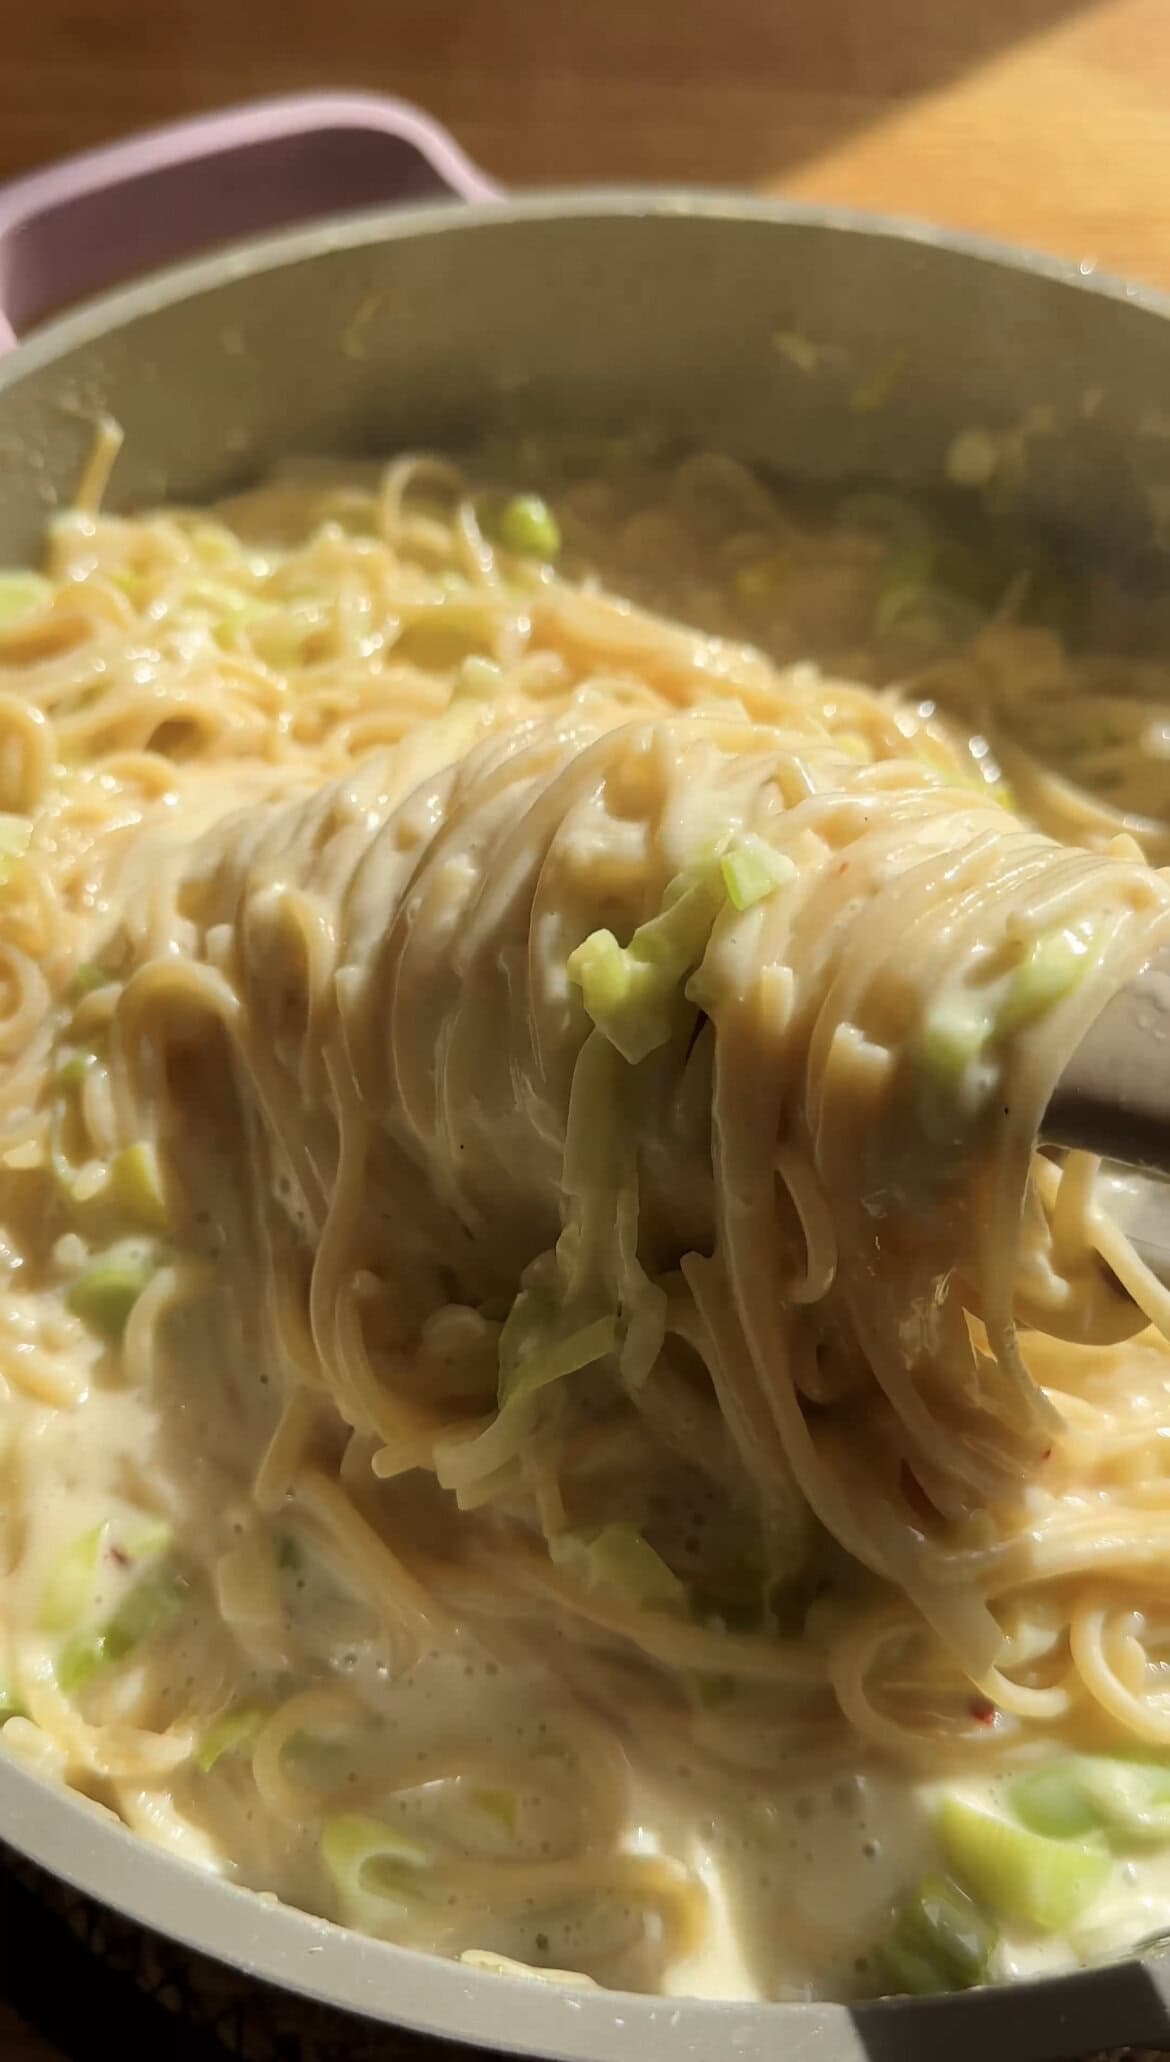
{"type": "Point", "coordinates": [1019, 1874]}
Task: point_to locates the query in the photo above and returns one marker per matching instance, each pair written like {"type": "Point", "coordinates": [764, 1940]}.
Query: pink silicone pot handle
{"type": "Point", "coordinates": [96, 220]}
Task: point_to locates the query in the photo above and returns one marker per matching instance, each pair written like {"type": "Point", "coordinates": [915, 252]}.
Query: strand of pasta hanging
{"type": "Point", "coordinates": [523, 1024]}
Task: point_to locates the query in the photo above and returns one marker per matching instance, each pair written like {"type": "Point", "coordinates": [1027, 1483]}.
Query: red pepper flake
{"type": "Point", "coordinates": [1047, 1454]}
{"type": "Point", "coordinates": [983, 1711]}
{"type": "Point", "coordinates": [843, 867]}
{"type": "Point", "coordinates": [119, 1556]}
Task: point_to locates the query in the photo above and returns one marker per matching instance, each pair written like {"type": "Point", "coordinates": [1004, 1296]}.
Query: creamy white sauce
{"type": "Point", "coordinates": [542, 1788]}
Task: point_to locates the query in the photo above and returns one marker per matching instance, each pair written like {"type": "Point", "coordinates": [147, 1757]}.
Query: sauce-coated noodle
{"type": "Point", "coordinates": [550, 1406]}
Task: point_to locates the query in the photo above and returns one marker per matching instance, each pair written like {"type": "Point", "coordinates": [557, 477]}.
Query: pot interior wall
{"type": "Point", "coordinates": [426, 327]}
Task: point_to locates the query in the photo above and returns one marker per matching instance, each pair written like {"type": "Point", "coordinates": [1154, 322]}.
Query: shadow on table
{"type": "Point", "coordinates": [538, 89]}
{"type": "Point", "coordinates": [624, 88]}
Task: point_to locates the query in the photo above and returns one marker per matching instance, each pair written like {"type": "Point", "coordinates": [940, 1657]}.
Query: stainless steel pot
{"type": "Point", "coordinates": [822, 342]}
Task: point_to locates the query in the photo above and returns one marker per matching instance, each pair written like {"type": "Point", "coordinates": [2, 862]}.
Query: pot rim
{"type": "Point", "coordinates": [119, 307]}
{"type": "Point", "coordinates": [83, 1845]}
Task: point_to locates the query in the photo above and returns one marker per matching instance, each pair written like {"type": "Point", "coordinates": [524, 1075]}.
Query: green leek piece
{"type": "Point", "coordinates": [234, 1733]}
{"type": "Point", "coordinates": [464, 1462]}
{"type": "Point", "coordinates": [619, 1559]}
{"type": "Point", "coordinates": [72, 1072]}
{"type": "Point", "coordinates": [135, 1186]}
{"type": "Point", "coordinates": [1019, 1874]}
{"type": "Point", "coordinates": [22, 594]}
{"type": "Point", "coordinates": [1128, 1800]}
{"type": "Point", "coordinates": [1052, 968]}
{"type": "Point", "coordinates": [150, 1608]}
{"type": "Point", "coordinates": [531, 1353]}
{"type": "Point", "coordinates": [625, 997]}
{"type": "Point", "coordinates": [1052, 1801]}
{"type": "Point", "coordinates": [152, 1605]}
{"type": "Point", "coordinates": [951, 1039]}
{"type": "Point", "coordinates": [106, 1293]}
{"type": "Point", "coordinates": [942, 1922]}
{"type": "Point", "coordinates": [907, 1972]}
{"type": "Point", "coordinates": [79, 1661]}
{"type": "Point", "coordinates": [501, 1805]}
{"type": "Point", "coordinates": [526, 524]}
{"type": "Point", "coordinates": [366, 1857]}
{"type": "Point", "coordinates": [69, 1589]}
{"type": "Point", "coordinates": [145, 1541]}
{"type": "Point", "coordinates": [751, 870]}
{"type": "Point", "coordinates": [630, 991]}
{"type": "Point", "coordinates": [89, 976]}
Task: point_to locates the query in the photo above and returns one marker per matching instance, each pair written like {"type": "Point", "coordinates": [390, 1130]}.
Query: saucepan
{"type": "Point", "coordinates": [820, 342]}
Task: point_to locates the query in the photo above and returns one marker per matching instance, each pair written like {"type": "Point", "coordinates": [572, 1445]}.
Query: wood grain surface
{"type": "Point", "coordinates": [1046, 122]}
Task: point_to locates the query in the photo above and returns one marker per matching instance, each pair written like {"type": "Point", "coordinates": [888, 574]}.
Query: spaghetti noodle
{"type": "Point", "coordinates": [539, 1354]}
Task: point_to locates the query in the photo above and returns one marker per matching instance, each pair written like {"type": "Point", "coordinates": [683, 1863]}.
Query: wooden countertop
{"type": "Point", "coordinates": [1046, 122]}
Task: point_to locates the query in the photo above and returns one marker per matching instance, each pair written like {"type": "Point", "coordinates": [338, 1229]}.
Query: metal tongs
{"type": "Point", "coordinates": [1113, 1099]}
